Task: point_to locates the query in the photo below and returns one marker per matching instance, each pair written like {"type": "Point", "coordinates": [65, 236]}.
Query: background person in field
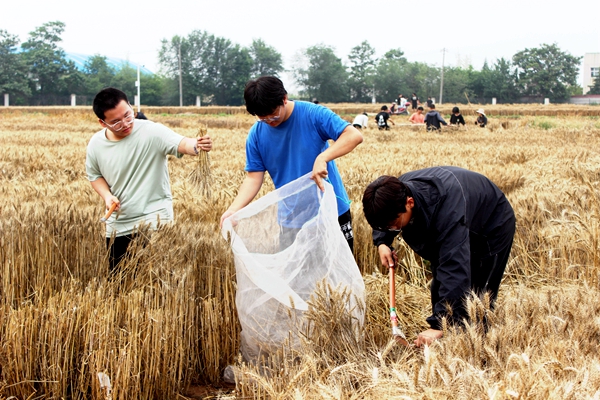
{"type": "Point", "coordinates": [456, 118]}
{"type": "Point", "coordinates": [481, 118]}
{"type": "Point", "coordinates": [456, 219]}
{"type": "Point", "coordinates": [140, 115]}
{"type": "Point", "coordinates": [289, 140]}
{"type": "Point", "coordinates": [382, 119]}
{"type": "Point", "coordinates": [433, 119]}
{"type": "Point", "coordinates": [126, 163]}
{"type": "Point", "coordinates": [361, 121]}
{"type": "Point", "coordinates": [401, 100]}
{"type": "Point", "coordinates": [417, 117]}
{"type": "Point", "coordinates": [414, 101]}
{"type": "Point", "coordinates": [403, 110]}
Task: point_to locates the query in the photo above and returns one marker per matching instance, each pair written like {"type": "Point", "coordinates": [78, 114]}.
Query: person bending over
{"type": "Point", "coordinates": [456, 219]}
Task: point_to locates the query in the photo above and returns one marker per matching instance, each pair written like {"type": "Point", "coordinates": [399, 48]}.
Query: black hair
{"type": "Point", "coordinates": [383, 108]}
{"type": "Point", "coordinates": [107, 99]}
{"type": "Point", "coordinates": [420, 108]}
{"type": "Point", "coordinates": [432, 106]}
{"type": "Point", "coordinates": [384, 199]}
{"type": "Point", "coordinates": [263, 95]}
{"type": "Point", "coordinates": [455, 110]}
{"type": "Point", "coordinates": [365, 114]}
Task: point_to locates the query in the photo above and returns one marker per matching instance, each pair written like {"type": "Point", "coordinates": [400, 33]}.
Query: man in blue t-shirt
{"type": "Point", "coordinates": [289, 140]}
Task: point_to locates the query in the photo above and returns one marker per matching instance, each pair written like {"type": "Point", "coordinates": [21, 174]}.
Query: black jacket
{"type": "Point", "coordinates": [458, 215]}
{"type": "Point", "coordinates": [433, 119]}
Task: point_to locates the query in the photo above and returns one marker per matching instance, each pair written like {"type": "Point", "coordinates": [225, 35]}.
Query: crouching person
{"type": "Point", "coordinates": [456, 219]}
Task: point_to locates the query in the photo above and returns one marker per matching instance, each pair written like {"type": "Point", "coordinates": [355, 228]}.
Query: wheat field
{"type": "Point", "coordinates": [168, 325]}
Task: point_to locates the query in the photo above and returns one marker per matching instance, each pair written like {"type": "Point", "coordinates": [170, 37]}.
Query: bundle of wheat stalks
{"type": "Point", "coordinates": [201, 177]}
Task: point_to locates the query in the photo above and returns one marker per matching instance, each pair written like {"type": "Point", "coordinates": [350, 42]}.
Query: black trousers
{"type": "Point", "coordinates": [117, 251]}
{"type": "Point", "coordinates": [486, 275]}
{"type": "Point", "coordinates": [487, 272]}
{"type": "Point", "coordinates": [345, 221]}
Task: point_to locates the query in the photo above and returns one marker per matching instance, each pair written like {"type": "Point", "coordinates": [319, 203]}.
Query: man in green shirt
{"type": "Point", "coordinates": [126, 163]}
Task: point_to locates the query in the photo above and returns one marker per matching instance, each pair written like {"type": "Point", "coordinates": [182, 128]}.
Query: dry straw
{"type": "Point", "coordinates": [169, 321]}
{"type": "Point", "coordinates": [201, 177]}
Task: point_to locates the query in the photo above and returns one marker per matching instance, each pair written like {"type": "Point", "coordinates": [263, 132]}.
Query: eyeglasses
{"type": "Point", "coordinates": [117, 126]}
{"type": "Point", "coordinates": [393, 229]}
{"type": "Point", "coordinates": [270, 119]}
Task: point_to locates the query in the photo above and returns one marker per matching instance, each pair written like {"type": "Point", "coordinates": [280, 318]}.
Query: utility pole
{"type": "Point", "coordinates": [442, 80]}
{"type": "Point", "coordinates": [373, 100]}
{"type": "Point", "coordinates": [137, 83]}
{"type": "Point", "coordinates": [180, 86]}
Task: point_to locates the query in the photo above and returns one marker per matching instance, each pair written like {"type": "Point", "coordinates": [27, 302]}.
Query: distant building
{"type": "Point", "coordinates": [591, 70]}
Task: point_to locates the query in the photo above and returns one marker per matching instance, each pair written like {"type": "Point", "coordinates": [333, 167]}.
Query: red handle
{"type": "Point", "coordinates": [396, 332]}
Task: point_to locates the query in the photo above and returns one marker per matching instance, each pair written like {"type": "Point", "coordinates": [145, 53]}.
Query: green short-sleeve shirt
{"type": "Point", "coordinates": [137, 173]}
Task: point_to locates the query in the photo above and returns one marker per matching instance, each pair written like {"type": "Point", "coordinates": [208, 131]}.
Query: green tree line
{"type": "Point", "coordinates": [37, 72]}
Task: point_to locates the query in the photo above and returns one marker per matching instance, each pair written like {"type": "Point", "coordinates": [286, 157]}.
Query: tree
{"type": "Point", "coordinates": [46, 61]}
{"type": "Point", "coordinates": [456, 84]}
{"type": "Point", "coordinates": [13, 70]}
{"type": "Point", "coordinates": [325, 78]}
{"type": "Point", "coordinates": [503, 85]}
{"type": "Point", "coordinates": [212, 67]}
{"type": "Point", "coordinates": [124, 79]}
{"type": "Point", "coordinates": [362, 68]}
{"type": "Point", "coordinates": [546, 72]}
{"type": "Point", "coordinates": [266, 61]}
{"type": "Point", "coordinates": [152, 89]}
{"type": "Point", "coordinates": [390, 77]}
{"type": "Point", "coordinates": [498, 81]}
{"type": "Point", "coordinates": [99, 74]}
{"type": "Point", "coordinates": [229, 68]}
{"type": "Point", "coordinates": [169, 60]}
{"type": "Point", "coordinates": [72, 81]}
{"type": "Point", "coordinates": [395, 75]}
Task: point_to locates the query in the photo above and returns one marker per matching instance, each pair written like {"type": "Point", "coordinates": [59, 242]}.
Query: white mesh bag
{"type": "Point", "coordinates": [283, 244]}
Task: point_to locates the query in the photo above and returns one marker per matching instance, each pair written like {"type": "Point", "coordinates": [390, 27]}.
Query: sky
{"type": "Point", "coordinates": [455, 33]}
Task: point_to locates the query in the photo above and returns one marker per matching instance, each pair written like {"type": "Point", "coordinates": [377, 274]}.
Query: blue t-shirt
{"type": "Point", "coordinates": [289, 150]}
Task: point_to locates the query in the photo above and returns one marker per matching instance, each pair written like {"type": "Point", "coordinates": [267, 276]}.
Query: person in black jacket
{"type": "Point", "coordinates": [433, 119]}
{"type": "Point", "coordinates": [456, 219]}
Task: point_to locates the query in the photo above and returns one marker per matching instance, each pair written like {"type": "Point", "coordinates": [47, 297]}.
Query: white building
{"type": "Point", "coordinates": [591, 70]}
